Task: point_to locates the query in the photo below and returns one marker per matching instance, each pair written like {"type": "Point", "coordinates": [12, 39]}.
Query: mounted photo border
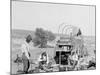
{"type": "Point", "coordinates": [45, 3]}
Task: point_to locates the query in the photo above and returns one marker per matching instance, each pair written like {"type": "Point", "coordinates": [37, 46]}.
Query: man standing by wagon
{"type": "Point", "coordinates": [25, 53]}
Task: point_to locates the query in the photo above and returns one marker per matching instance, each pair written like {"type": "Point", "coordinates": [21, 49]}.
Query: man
{"type": "Point", "coordinates": [25, 53]}
{"type": "Point", "coordinates": [43, 60]}
{"type": "Point", "coordinates": [75, 59]}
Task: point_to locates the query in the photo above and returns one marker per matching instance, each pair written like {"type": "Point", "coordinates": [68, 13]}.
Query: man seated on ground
{"type": "Point", "coordinates": [74, 58]}
{"type": "Point", "coordinates": [43, 61]}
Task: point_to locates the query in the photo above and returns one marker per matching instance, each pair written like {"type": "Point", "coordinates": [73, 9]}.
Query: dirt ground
{"type": "Point", "coordinates": [16, 46]}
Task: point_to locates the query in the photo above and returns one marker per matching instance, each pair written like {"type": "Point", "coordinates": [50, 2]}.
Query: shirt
{"type": "Point", "coordinates": [75, 57]}
{"type": "Point", "coordinates": [25, 49]}
{"type": "Point", "coordinates": [45, 58]}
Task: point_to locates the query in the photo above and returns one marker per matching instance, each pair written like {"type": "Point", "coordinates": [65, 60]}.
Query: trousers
{"type": "Point", "coordinates": [26, 63]}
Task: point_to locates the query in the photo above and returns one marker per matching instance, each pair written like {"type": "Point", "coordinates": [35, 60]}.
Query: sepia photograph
{"type": "Point", "coordinates": [52, 37]}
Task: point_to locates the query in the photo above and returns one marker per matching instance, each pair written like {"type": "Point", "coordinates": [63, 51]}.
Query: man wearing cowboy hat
{"type": "Point", "coordinates": [25, 53]}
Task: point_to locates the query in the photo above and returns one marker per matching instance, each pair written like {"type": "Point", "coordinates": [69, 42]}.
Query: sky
{"type": "Point", "coordinates": [32, 15]}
